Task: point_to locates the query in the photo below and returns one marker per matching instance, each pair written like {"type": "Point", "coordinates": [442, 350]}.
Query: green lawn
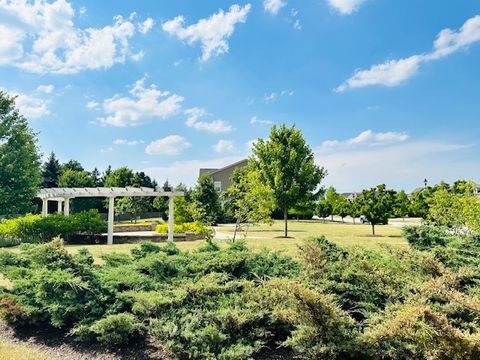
{"type": "Point", "coordinates": [266, 236]}
{"type": "Point", "coordinates": [11, 351]}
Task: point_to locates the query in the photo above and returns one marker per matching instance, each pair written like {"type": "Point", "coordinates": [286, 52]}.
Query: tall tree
{"type": "Point", "coordinates": [342, 207]}
{"type": "Point", "coordinates": [72, 165]}
{"type": "Point", "coordinates": [324, 209]}
{"type": "Point", "coordinates": [331, 197]}
{"type": "Point", "coordinates": [402, 204]}
{"type": "Point", "coordinates": [20, 174]}
{"type": "Point", "coordinates": [206, 200]}
{"type": "Point", "coordinates": [286, 164]}
{"type": "Point", "coordinates": [377, 205]}
{"type": "Point", "coordinates": [96, 177]}
{"type": "Point", "coordinates": [51, 171]}
{"type": "Point", "coordinates": [121, 177]}
{"type": "Point", "coordinates": [251, 201]}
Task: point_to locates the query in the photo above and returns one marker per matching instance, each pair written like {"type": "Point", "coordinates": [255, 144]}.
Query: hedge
{"type": "Point", "coordinates": [191, 227]}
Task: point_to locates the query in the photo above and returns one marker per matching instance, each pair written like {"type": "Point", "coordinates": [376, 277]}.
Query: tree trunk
{"type": "Point", "coordinates": [324, 220]}
{"type": "Point", "coordinates": [343, 219]}
{"type": "Point", "coordinates": [285, 217]}
{"type": "Point", "coordinates": [332, 217]}
{"type": "Point", "coordinates": [353, 220]}
{"type": "Point", "coordinates": [373, 229]}
{"type": "Point", "coordinates": [236, 228]}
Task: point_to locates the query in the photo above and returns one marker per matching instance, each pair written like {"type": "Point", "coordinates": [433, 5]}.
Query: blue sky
{"type": "Point", "coordinates": [384, 91]}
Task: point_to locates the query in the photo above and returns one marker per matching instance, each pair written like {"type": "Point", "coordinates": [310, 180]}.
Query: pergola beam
{"type": "Point", "coordinates": [65, 194]}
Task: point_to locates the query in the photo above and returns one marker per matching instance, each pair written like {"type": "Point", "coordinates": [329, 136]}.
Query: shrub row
{"type": "Point", "coordinates": [232, 303]}
{"type": "Point", "coordinates": [188, 227]}
{"type": "Point", "coordinates": [37, 229]}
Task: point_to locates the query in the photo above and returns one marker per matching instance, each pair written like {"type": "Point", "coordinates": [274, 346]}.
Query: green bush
{"type": "Point", "coordinates": [233, 303]}
{"type": "Point", "coordinates": [116, 329]}
{"type": "Point", "coordinates": [37, 229]}
{"type": "Point", "coordinates": [426, 236]}
{"type": "Point", "coordinates": [191, 227]}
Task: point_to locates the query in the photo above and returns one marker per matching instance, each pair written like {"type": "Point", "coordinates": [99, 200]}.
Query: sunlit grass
{"type": "Point", "coordinates": [11, 351]}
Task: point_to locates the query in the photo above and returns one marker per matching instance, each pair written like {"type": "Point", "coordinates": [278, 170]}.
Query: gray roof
{"type": "Point", "coordinates": [207, 171]}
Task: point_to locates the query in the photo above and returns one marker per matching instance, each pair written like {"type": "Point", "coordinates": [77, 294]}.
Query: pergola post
{"type": "Point", "coordinates": [170, 217]}
{"type": "Point", "coordinates": [44, 207]}
{"type": "Point", "coordinates": [111, 208]}
{"type": "Point", "coordinates": [59, 206]}
{"type": "Point", "coordinates": [66, 207]}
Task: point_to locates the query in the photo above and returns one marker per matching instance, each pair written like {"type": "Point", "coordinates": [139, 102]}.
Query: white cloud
{"type": "Point", "coordinates": [194, 116]}
{"type": "Point", "coordinates": [93, 104]}
{"type": "Point", "coordinates": [54, 44]}
{"type": "Point", "coordinates": [401, 165]}
{"type": "Point", "coordinates": [346, 7]}
{"type": "Point", "coordinates": [255, 121]}
{"type": "Point", "coordinates": [127, 142]}
{"type": "Point", "coordinates": [138, 56]}
{"type": "Point", "coordinates": [223, 146]}
{"type": "Point", "coordinates": [212, 33]}
{"type": "Point", "coordinates": [106, 150]}
{"type": "Point", "coordinates": [47, 89]}
{"type": "Point", "coordinates": [143, 104]}
{"type": "Point", "coordinates": [187, 171]}
{"type": "Point", "coordinates": [274, 96]}
{"type": "Point", "coordinates": [394, 72]}
{"type": "Point", "coordinates": [170, 145]}
{"type": "Point", "coordinates": [31, 107]}
{"type": "Point", "coordinates": [365, 138]}
{"type": "Point", "coordinates": [273, 6]}
{"type": "Point", "coordinates": [146, 26]}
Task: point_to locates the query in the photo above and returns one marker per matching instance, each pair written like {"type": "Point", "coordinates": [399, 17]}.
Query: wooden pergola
{"type": "Point", "coordinates": [63, 196]}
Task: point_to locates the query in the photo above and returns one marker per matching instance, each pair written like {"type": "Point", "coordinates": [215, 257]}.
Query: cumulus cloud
{"type": "Point", "coordinates": [255, 121]}
{"type": "Point", "coordinates": [127, 142]}
{"type": "Point", "coordinates": [41, 37]}
{"type": "Point", "coordinates": [31, 107]}
{"type": "Point", "coordinates": [401, 166]}
{"type": "Point", "coordinates": [47, 89]}
{"type": "Point", "coordinates": [395, 72]}
{"type": "Point", "coordinates": [223, 146]}
{"type": "Point", "coordinates": [365, 138]}
{"type": "Point", "coordinates": [212, 33]}
{"type": "Point", "coordinates": [92, 104]}
{"type": "Point", "coordinates": [273, 6]}
{"type": "Point", "coordinates": [144, 103]}
{"type": "Point", "coordinates": [194, 116]}
{"type": "Point", "coordinates": [346, 7]}
{"type": "Point", "coordinates": [146, 26]}
{"type": "Point", "coordinates": [170, 145]}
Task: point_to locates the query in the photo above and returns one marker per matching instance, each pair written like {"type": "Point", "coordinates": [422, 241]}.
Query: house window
{"type": "Point", "coordinates": [218, 186]}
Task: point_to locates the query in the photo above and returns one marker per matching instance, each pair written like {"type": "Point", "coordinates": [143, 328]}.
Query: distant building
{"type": "Point", "coordinates": [222, 177]}
{"type": "Point", "coordinates": [350, 195]}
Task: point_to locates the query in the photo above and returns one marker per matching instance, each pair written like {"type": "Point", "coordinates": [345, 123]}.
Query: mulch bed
{"type": "Point", "coordinates": [55, 344]}
{"type": "Point", "coordinates": [59, 346]}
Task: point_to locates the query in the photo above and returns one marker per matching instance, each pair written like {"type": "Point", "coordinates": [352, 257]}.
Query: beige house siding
{"type": "Point", "coordinates": [222, 177]}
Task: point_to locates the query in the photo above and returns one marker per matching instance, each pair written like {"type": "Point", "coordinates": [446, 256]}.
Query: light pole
{"type": "Point", "coordinates": [426, 183]}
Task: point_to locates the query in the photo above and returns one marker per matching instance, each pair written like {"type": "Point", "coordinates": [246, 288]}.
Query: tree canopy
{"type": "Point", "coordinates": [286, 164]}
{"type": "Point", "coordinates": [20, 175]}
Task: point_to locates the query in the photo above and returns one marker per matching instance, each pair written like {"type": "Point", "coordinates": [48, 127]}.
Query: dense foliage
{"type": "Point", "coordinates": [36, 229]}
{"type": "Point", "coordinates": [233, 303]}
{"type": "Point", "coordinates": [19, 160]}
{"type": "Point", "coordinates": [188, 227]}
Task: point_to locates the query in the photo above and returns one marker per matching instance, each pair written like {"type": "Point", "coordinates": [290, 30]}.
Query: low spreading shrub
{"type": "Point", "coordinates": [232, 303]}
{"type": "Point", "coordinates": [426, 236]}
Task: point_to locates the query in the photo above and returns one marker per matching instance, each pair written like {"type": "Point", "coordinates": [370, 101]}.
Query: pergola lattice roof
{"type": "Point", "coordinates": [68, 193]}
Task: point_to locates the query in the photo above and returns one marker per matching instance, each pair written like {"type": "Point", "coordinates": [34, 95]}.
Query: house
{"type": "Point", "coordinates": [222, 177]}
{"type": "Point", "coordinates": [350, 195]}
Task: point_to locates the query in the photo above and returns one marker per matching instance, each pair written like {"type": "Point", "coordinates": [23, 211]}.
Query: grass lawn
{"type": "Point", "coordinates": [266, 236]}
{"type": "Point", "coordinates": [11, 351]}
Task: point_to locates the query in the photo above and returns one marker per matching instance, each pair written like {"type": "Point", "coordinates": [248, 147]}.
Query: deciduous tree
{"type": "Point", "coordinates": [377, 205]}
{"type": "Point", "coordinates": [286, 164]}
